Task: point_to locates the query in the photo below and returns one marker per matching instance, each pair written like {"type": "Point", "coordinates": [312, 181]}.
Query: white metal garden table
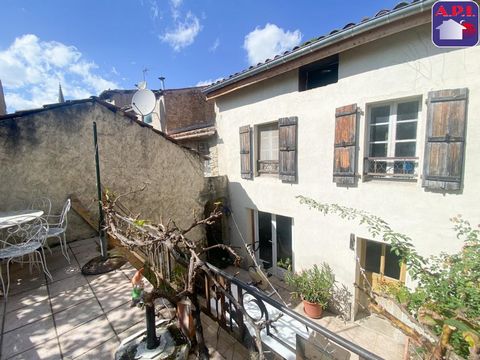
{"type": "Point", "coordinates": [15, 218]}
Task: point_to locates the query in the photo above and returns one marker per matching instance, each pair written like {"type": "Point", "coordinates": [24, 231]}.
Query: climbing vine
{"type": "Point", "coordinates": [445, 304]}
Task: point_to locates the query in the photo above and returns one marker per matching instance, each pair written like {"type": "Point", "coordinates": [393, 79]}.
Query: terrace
{"type": "Point", "coordinates": [86, 317]}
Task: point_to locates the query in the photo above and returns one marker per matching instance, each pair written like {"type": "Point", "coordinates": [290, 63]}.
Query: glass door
{"type": "Point", "coordinates": [274, 239]}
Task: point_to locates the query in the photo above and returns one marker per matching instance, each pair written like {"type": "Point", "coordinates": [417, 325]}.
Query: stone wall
{"type": "Point", "coordinates": [51, 153]}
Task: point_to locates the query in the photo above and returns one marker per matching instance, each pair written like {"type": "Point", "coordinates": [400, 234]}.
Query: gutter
{"type": "Point", "coordinates": [393, 15]}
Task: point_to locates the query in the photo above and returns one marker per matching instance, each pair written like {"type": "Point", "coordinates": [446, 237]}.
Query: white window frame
{"type": "Point", "coordinates": [391, 141]}
{"type": "Point", "coordinates": [257, 150]}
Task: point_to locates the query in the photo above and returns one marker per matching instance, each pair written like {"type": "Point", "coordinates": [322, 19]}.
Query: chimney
{"type": "Point", "coordinates": [162, 79]}
{"type": "Point", "coordinates": [3, 106]}
{"type": "Point", "coordinates": [61, 99]}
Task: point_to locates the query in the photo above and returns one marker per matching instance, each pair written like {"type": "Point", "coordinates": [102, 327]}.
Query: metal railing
{"type": "Point", "coordinates": [268, 166]}
{"type": "Point", "coordinates": [263, 307]}
{"type": "Point", "coordinates": [391, 167]}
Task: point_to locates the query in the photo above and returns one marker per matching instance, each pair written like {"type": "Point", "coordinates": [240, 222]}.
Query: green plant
{"type": "Point", "coordinates": [285, 264]}
{"type": "Point", "coordinates": [446, 298]}
{"type": "Point", "coordinates": [314, 285]}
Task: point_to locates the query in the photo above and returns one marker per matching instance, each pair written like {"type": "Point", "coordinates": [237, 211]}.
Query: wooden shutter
{"type": "Point", "coordinates": [287, 146]}
{"type": "Point", "coordinates": [246, 152]}
{"type": "Point", "coordinates": [345, 146]}
{"type": "Point", "coordinates": [445, 139]}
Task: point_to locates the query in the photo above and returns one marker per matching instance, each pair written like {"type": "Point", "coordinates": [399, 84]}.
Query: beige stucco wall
{"type": "Point", "coordinates": [51, 153]}
{"type": "Point", "coordinates": [399, 66]}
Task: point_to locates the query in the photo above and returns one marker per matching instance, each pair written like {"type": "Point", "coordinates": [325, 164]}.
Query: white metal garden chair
{"type": "Point", "coordinates": [42, 203]}
{"type": "Point", "coordinates": [24, 242]}
{"type": "Point", "coordinates": [57, 226]}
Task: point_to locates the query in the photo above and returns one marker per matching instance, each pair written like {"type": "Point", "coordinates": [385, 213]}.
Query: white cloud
{"type": "Point", "coordinates": [207, 82]}
{"type": "Point", "coordinates": [31, 70]}
{"type": "Point", "coordinates": [154, 9]}
{"type": "Point", "coordinates": [215, 45]}
{"type": "Point", "coordinates": [176, 3]}
{"type": "Point", "coordinates": [264, 43]}
{"type": "Point", "coordinates": [184, 33]}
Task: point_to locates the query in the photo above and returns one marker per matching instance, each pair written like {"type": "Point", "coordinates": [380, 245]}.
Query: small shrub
{"type": "Point", "coordinates": [314, 285]}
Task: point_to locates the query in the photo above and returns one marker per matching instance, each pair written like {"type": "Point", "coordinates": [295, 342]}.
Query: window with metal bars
{"type": "Point", "coordinates": [392, 140]}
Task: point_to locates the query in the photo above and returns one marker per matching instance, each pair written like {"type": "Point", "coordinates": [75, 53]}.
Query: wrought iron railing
{"type": "Point", "coordinates": [391, 167]}
{"type": "Point", "coordinates": [268, 166]}
{"type": "Point", "coordinates": [260, 307]}
{"type": "Point", "coordinates": [282, 325]}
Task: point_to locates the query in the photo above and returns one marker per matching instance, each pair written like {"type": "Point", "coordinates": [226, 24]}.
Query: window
{"type": "Point", "coordinates": [319, 74]}
{"type": "Point", "coordinates": [147, 119]}
{"type": "Point", "coordinates": [392, 140]}
{"type": "Point", "coordinates": [380, 262]}
{"type": "Point", "coordinates": [268, 149]}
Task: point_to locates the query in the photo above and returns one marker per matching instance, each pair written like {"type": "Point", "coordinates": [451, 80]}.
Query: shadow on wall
{"type": "Point", "coordinates": [341, 302]}
{"type": "Point", "coordinates": [277, 86]}
{"type": "Point", "coordinates": [240, 215]}
{"type": "Point", "coordinates": [395, 50]}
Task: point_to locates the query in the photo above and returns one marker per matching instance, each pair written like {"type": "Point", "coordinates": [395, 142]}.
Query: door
{"type": "Point", "coordinates": [382, 267]}
{"type": "Point", "coordinates": [274, 239]}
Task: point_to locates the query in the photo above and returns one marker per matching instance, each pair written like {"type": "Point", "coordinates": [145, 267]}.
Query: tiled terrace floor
{"type": "Point", "coordinates": [372, 333]}
{"type": "Point", "coordinates": [76, 316]}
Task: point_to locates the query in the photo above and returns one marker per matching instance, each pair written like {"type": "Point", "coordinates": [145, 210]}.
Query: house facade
{"type": "Point", "coordinates": [373, 117]}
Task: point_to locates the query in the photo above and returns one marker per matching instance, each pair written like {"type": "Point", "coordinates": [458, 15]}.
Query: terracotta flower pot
{"type": "Point", "coordinates": [313, 310]}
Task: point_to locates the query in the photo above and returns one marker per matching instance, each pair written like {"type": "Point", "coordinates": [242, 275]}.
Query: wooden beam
{"type": "Point", "coordinates": [84, 213]}
{"type": "Point", "coordinates": [335, 48]}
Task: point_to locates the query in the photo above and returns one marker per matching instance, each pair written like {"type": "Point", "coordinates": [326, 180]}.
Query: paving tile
{"type": "Point", "coordinates": [65, 272]}
{"type": "Point", "coordinates": [27, 337]}
{"type": "Point", "coordinates": [81, 243]}
{"type": "Point", "coordinates": [24, 281]}
{"type": "Point", "coordinates": [62, 286]}
{"type": "Point", "coordinates": [128, 270]}
{"type": "Point", "coordinates": [86, 337]}
{"type": "Point", "coordinates": [27, 298]}
{"type": "Point", "coordinates": [71, 297]}
{"type": "Point", "coordinates": [107, 281]}
{"type": "Point", "coordinates": [46, 351]}
{"type": "Point", "coordinates": [90, 247]}
{"type": "Point", "coordinates": [27, 315]}
{"type": "Point", "coordinates": [124, 317]}
{"type": "Point", "coordinates": [57, 260]}
{"type": "Point", "coordinates": [105, 351]}
{"type": "Point", "coordinates": [112, 298]}
{"type": "Point", "coordinates": [133, 329]}
{"type": "Point", "coordinates": [77, 315]}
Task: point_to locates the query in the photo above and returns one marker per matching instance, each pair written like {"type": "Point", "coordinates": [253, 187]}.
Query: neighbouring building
{"type": "Point", "coordinates": [184, 114]}
{"type": "Point", "coordinates": [371, 116]}
{"type": "Point", "coordinates": [50, 152]}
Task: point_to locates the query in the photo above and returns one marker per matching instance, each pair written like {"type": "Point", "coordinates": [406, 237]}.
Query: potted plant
{"type": "Point", "coordinates": [314, 286]}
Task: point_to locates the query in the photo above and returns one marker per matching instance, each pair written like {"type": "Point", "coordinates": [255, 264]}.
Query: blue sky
{"type": "Point", "coordinates": [92, 45]}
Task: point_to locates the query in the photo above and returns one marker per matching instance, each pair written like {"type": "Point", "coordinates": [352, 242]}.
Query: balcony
{"type": "Point", "coordinates": [402, 168]}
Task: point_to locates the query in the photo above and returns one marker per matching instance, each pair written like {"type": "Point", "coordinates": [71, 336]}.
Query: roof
{"type": "Point", "coordinates": [195, 134]}
{"type": "Point", "coordinates": [381, 18]}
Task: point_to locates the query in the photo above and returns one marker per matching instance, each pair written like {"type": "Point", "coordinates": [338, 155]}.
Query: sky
{"type": "Point", "coordinates": [92, 45]}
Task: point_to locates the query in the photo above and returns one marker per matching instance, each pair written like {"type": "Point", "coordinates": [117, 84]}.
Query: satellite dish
{"type": "Point", "coordinates": [143, 102]}
{"type": "Point", "coordinates": [142, 85]}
